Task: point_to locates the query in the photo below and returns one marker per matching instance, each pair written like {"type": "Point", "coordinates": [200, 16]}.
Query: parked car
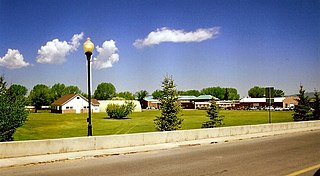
{"type": "Point", "coordinates": [269, 107]}
{"type": "Point", "coordinates": [278, 109]}
{"type": "Point", "coordinates": [253, 108]}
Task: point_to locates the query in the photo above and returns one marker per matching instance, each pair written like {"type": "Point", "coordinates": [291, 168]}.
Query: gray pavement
{"type": "Point", "coordinates": [31, 160]}
{"type": "Point", "coordinates": [255, 155]}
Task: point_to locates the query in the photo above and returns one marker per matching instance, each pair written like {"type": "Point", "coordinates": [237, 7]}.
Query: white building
{"type": "Point", "coordinates": [73, 103]}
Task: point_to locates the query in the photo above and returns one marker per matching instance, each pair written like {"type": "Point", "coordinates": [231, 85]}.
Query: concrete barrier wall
{"type": "Point", "coordinates": [51, 146]}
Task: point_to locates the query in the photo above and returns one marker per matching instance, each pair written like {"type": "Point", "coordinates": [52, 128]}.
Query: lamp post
{"type": "Point", "coordinates": [88, 47]}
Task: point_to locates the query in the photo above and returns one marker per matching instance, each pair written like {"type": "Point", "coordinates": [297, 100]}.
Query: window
{"type": "Point", "coordinates": [78, 98]}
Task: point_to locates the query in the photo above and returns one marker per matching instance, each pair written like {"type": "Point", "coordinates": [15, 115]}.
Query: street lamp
{"type": "Point", "coordinates": [88, 47]}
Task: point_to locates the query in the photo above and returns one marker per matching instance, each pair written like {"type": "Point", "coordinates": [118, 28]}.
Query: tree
{"type": "Point", "coordinates": [256, 92]}
{"type": "Point", "coordinates": [302, 110]}
{"type": "Point", "coordinates": [157, 94]}
{"type": "Point", "coordinates": [141, 95]}
{"type": "Point", "coordinates": [278, 93]}
{"type": "Point", "coordinates": [226, 95]}
{"type": "Point", "coordinates": [316, 106]}
{"type": "Point", "coordinates": [105, 91]}
{"type": "Point", "coordinates": [57, 91]}
{"type": "Point", "coordinates": [12, 111]}
{"type": "Point", "coordinates": [169, 107]}
{"type": "Point", "coordinates": [217, 92]}
{"type": "Point", "coordinates": [189, 93]}
{"type": "Point", "coordinates": [233, 94]}
{"type": "Point", "coordinates": [17, 90]}
{"type": "Point", "coordinates": [40, 96]}
{"type": "Point", "coordinates": [215, 119]}
{"type": "Point", "coordinates": [72, 90]}
{"type": "Point", "coordinates": [126, 95]}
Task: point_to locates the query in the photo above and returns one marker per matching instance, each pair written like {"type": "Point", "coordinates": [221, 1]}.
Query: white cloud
{"type": "Point", "coordinates": [13, 60]}
{"type": "Point", "coordinates": [55, 51]}
{"type": "Point", "coordinates": [173, 35]}
{"type": "Point", "coordinates": [107, 55]}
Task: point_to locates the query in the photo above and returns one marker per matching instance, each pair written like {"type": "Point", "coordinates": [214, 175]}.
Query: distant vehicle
{"type": "Point", "coordinates": [253, 108]}
{"type": "Point", "coordinates": [269, 107]}
{"type": "Point", "coordinates": [278, 109]}
{"type": "Point", "coordinates": [286, 109]}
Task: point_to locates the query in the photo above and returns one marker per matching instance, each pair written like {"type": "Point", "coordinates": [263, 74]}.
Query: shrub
{"type": "Point", "coordinates": [116, 111]}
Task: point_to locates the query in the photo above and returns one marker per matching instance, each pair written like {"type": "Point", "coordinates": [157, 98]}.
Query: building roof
{"type": "Point", "coordinates": [260, 100]}
{"type": "Point", "coordinates": [68, 97]}
{"type": "Point", "coordinates": [185, 97]}
{"type": "Point", "coordinates": [150, 98]}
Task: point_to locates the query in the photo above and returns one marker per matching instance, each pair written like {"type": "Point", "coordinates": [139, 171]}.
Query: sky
{"type": "Point", "coordinates": [201, 43]}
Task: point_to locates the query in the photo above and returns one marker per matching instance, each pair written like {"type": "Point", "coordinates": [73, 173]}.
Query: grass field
{"type": "Point", "coordinates": [48, 125]}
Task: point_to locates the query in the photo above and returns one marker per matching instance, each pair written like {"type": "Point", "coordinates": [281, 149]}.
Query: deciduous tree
{"type": "Point", "coordinates": [57, 91]}
{"type": "Point", "coordinates": [126, 95]}
{"type": "Point", "coordinates": [141, 95]}
{"type": "Point", "coordinates": [217, 92]}
{"type": "Point", "coordinates": [105, 91]}
{"type": "Point", "coordinates": [278, 93]}
{"type": "Point", "coordinates": [189, 93]}
{"type": "Point", "coordinates": [72, 90]}
{"type": "Point", "coordinates": [40, 96]}
{"type": "Point", "coordinates": [157, 94]}
{"type": "Point", "coordinates": [12, 110]}
{"type": "Point", "coordinates": [256, 92]}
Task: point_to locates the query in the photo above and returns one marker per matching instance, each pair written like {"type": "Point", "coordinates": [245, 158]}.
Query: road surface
{"type": "Point", "coordinates": [296, 154]}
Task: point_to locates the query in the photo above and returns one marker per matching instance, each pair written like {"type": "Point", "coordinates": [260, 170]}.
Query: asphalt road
{"type": "Point", "coordinates": [276, 155]}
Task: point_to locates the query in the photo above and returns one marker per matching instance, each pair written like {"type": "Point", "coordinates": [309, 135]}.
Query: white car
{"type": "Point", "coordinates": [269, 107]}
{"type": "Point", "coordinates": [278, 109]}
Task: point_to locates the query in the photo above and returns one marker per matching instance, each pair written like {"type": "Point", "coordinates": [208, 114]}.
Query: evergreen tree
{"type": "Point", "coordinates": [316, 106]}
{"type": "Point", "coordinates": [213, 114]}
{"type": "Point", "coordinates": [169, 107]}
{"type": "Point", "coordinates": [302, 111]}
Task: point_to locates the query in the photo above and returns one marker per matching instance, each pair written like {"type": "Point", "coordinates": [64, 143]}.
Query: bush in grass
{"type": "Point", "coordinates": [116, 111]}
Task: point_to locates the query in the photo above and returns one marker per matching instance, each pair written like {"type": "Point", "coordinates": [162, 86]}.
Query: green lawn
{"type": "Point", "coordinates": [48, 125]}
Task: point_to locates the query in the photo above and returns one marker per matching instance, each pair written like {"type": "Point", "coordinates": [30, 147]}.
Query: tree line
{"type": "Point", "coordinates": [43, 95]}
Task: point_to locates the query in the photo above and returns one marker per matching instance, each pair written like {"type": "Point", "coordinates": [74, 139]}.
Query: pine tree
{"type": "Point", "coordinates": [302, 111]}
{"type": "Point", "coordinates": [215, 119]}
{"type": "Point", "coordinates": [169, 107]}
{"type": "Point", "coordinates": [316, 106]}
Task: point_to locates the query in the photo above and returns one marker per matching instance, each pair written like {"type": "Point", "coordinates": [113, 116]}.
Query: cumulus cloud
{"type": "Point", "coordinates": [173, 35]}
{"type": "Point", "coordinates": [107, 55]}
{"type": "Point", "coordinates": [55, 51]}
{"type": "Point", "coordinates": [13, 60]}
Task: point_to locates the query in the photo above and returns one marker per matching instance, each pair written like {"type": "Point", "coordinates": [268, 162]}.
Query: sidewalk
{"type": "Point", "coordinates": [30, 160]}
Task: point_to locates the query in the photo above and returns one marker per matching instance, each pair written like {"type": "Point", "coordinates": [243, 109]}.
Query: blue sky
{"type": "Point", "coordinates": [203, 43]}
